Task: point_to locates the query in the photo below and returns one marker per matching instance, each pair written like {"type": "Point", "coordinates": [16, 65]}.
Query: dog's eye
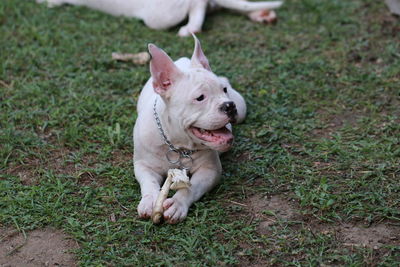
{"type": "Point", "coordinates": [225, 90]}
{"type": "Point", "coordinates": [200, 98]}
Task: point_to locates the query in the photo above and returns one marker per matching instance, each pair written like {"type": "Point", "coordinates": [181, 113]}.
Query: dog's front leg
{"type": "Point", "coordinates": [203, 180]}
{"type": "Point", "coordinates": [149, 181]}
{"type": "Point", "coordinates": [197, 13]}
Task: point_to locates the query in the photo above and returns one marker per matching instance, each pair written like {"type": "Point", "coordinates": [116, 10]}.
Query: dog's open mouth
{"type": "Point", "coordinates": [218, 136]}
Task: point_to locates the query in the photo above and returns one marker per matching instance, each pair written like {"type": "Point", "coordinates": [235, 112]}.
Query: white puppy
{"type": "Point", "coordinates": [184, 116]}
{"type": "Point", "coordinates": [163, 14]}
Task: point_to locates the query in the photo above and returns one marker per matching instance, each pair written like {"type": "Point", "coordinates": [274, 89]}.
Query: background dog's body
{"type": "Point", "coordinates": [161, 14]}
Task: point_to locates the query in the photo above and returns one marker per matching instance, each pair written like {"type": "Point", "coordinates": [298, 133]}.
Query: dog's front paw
{"type": "Point", "coordinates": [174, 210]}
{"type": "Point", "coordinates": [145, 207]}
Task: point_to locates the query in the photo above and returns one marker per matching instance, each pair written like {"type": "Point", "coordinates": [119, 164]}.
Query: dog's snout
{"type": "Point", "coordinates": [229, 108]}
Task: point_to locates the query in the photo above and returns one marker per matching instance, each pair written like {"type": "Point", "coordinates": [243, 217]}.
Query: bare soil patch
{"type": "Point", "coordinates": [281, 208]}
{"type": "Point", "coordinates": [358, 235]}
{"type": "Point", "coordinates": [57, 160]}
{"type": "Point", "coordinates": [60, 162]}
{"type": "Point", "coordinates": [374, 236]}
{"type": "Point", "coordinates": [122, 158]}
{"type": "Point", "coordinates": [26, 172]}
{"type": "Point", "coordinates": [42, 247]}
{"type": "Point", "coordinates": [270, 210]}
{"type": "Point", "coordinates": [332, 123]}
{"type": "Point", "coordinates": [266, 211]}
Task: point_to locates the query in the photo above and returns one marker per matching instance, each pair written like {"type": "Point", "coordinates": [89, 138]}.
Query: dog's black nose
{"type": "Point", "coordinates": [229, 108]}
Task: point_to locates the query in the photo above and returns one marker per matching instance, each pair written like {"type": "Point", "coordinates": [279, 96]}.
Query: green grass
{"type": "Point", "coordinates": [323, 129]}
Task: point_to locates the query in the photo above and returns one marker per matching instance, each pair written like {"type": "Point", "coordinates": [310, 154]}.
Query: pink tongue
{"type": "Point", "coordinates": [223, 133]}
{"type": "Point", "coordinates": [221, 136]}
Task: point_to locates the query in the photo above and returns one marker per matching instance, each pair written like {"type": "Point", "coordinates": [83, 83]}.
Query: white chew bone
{"type": "Point", "coordinates": [139, 58]}
{"type": "Point", "coordinates": [177, 179]}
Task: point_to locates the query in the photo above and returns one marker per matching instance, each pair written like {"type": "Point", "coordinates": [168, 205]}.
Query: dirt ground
{"type": "Point", "coordinates": [280, 208]}
{"type": "Point", "coordinates": [43, 247]}
{"type": "Point", "coordinates": [51, 247]}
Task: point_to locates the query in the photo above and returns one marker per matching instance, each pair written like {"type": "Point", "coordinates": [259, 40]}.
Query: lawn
{"type": "Point", "coordinates": [313, 177]}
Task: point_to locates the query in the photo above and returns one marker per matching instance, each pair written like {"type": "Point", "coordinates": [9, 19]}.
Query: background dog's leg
{"type": "Point", "coordinates": [197, 13]}
{"type": "Point", "coordinates": [246, 6]}
{"type": "Point", "coordinates": [263, 16]}
{"type": "Point", "coordinates": [257, 11]}
{"type": "Point", "coordinates": [203, 180]}
{"type": "Point", "coordinates": [149, 182]}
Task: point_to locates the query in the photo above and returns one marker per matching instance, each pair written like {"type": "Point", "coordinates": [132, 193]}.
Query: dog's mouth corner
{"type": "Point", "coordinates": [217, 137]}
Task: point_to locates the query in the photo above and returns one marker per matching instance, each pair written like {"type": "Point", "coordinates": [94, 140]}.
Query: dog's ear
{"type": "Point", "coordinates": [163, 70]}
{"type": "Point", "coordinates": [198, 57]}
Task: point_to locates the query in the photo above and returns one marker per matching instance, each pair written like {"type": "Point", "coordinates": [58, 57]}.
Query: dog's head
{"type": "Point", "coordinates": [196, 99]}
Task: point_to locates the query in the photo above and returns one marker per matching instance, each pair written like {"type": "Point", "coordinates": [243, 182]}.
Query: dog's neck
{"type": "Point", "coordinates": [175, 134]}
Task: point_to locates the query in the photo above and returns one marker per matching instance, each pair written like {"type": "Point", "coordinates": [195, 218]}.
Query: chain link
{"type": "Point", "coordinates": [182, 153]}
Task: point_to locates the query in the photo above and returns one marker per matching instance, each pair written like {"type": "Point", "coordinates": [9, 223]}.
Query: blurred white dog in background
{"type": "Point", "coordinates": [163, 14]}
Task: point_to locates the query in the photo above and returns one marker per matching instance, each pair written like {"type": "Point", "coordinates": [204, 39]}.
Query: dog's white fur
{"type": "Point", "coordinates": [177, 87]}
{"type": "Point", "coordinates": [163, 14]}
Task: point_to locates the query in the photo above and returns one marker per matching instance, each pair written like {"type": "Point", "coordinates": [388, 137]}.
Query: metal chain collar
{"type": "Point", "coordinates": [175, 156]}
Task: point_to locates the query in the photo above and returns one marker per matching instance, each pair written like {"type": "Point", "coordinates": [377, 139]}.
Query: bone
{"type": "Point", "coordinates": [158, 209]}
{"type": "Point", "coordinates": [138, 58]}
{"type": "Point", "coordinates": [176, 180]}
